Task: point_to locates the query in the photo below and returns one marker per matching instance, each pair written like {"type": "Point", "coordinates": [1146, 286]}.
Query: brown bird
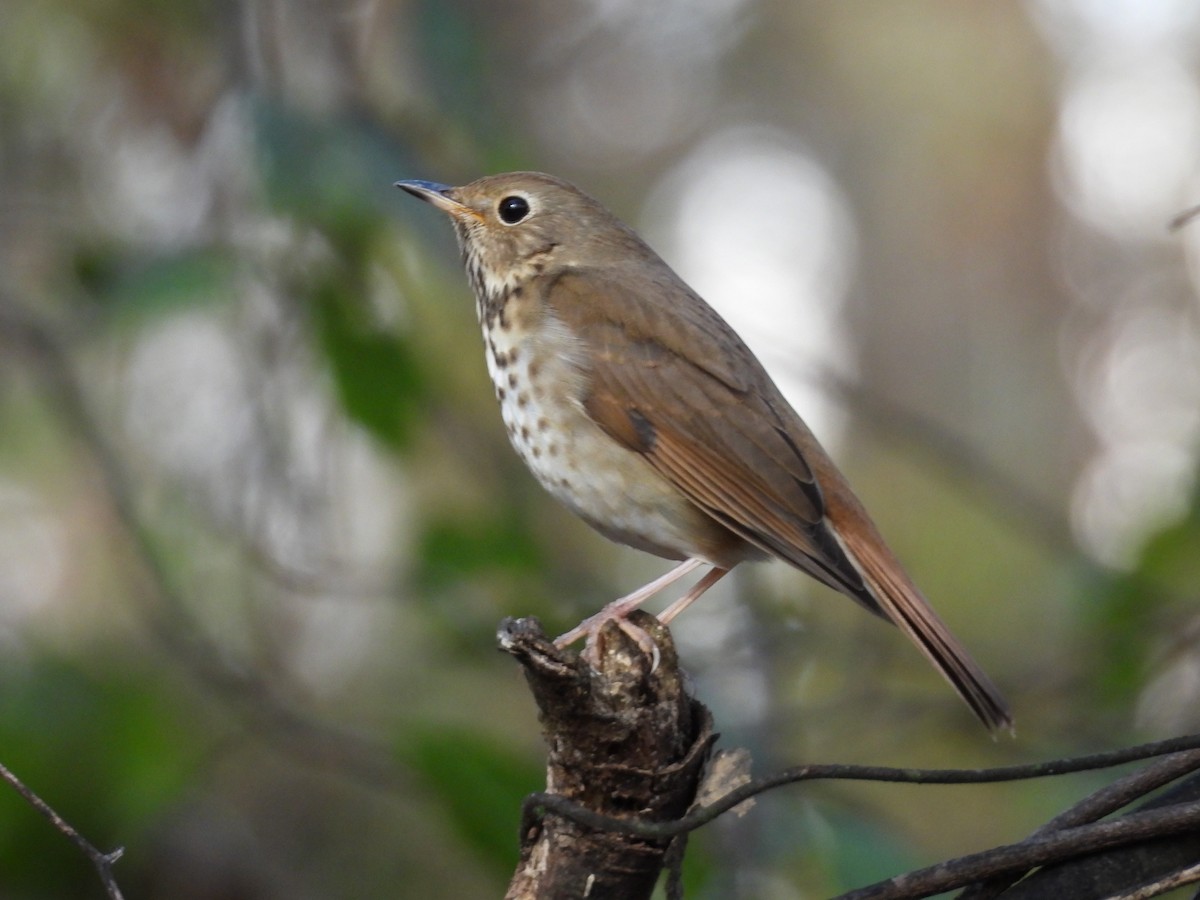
{"type": "Point", "coordinates": [635, 404]}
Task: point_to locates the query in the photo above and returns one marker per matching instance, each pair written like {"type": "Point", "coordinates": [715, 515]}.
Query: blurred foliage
{"type": "Point", "coordinates": [131, 289]}
{"type": "Point", "coordinates": [452, 550]}
{"type": "Point", "coordinates": [377, 378]}
{"type": "Point", "coordinates": [289, 401]}
{"type": "Point", "coordinates": [480, 787]}
{"type": "Point", "coordinates": [110, 743]}
{"type": "Point", "coordinates": [1131, 612]}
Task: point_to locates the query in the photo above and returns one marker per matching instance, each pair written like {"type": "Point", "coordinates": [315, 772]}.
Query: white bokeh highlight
{"type": "Point", "coordinates": [764, 234]}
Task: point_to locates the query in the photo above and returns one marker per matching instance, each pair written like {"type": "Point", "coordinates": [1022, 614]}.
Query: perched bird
{"type": "Point", "coordinates": [635, 404]}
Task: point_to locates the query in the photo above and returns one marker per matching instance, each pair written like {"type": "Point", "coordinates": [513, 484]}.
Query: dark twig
{"type": "Point", "coordinates": [102, 861]}
{"type": "Point", "coordinates": [1108, 799]}
{"type": "Point", "coordinates": [563, 807]}
{"type": "Point", "coordinates": [1120, 869]}
{"type": "Point", "coordinates": [1183, 218]}
{"type": "Point", "coordinates": [1124, 791]}
{"type": "Point", "coordinates": [1034, 851]}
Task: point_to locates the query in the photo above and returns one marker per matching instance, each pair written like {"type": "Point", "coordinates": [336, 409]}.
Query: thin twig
{"type": "Point", "coordinates": [1183, 218]}
{"type": "Point", "coordinates": [1190, 875]}
{"type": "Point", "coordinates": [563, 807]}
{"type": "Point", "coordinates": [1108, 799]}
{"type": "Point", "coordinates": [102, 861]}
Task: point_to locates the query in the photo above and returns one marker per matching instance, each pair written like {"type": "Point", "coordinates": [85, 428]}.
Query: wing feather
{"type": "Point", "coordinates": [693, 400]}
{"type": "Point", "coordinates": [678, 386]}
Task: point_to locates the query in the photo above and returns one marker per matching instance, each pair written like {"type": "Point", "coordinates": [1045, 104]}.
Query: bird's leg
{"type": "Point", "coordinates": [710, 578]}
{"type": "Point", "coordinates": [621, 608]}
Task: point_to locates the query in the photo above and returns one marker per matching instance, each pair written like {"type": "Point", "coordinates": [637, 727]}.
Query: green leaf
{"type": "Point", "coordinates": [376, 374]}
{"type": "Point", "coordinates": [336, 174]}
{"type": "Point", "coordinates": [1119, 613]}
{"type": "Point", "coordinates": [1171, 558]}
{"type": "Point", "coordinates": [133, 288]}
{"type": "Point", "coordinates": [452, 550]}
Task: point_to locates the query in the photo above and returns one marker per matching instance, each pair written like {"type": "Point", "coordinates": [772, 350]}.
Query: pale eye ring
{"type": "Point", "coordinates": [512, 209]}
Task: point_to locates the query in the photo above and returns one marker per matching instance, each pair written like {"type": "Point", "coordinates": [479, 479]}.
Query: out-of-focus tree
{"type": "Point", "coordinates": [257, 515]}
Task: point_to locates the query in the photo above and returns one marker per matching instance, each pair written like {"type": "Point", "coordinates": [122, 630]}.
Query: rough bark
{"type": "Point", "coordinates": [626, 740]}
{"type": "Point", "coordinates": [1121, 869]}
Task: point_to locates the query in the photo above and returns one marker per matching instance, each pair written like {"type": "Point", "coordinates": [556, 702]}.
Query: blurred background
{"type": "Point", "coordinates": [259, 520]}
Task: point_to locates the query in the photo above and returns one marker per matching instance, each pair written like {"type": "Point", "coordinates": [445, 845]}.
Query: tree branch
{"type": "Point", "coordinates": [102, 861]}
{"type": "Point", "coordinates": [1034, 851]}
{"type": "Point", "coordinates": [836, 771]}
{"type": "Point", "coordinates": [1123, 869]}
{"type": "Point", "coordinates": [626, 740]}
{"type": "Point", "coordinates": [1107, 800]}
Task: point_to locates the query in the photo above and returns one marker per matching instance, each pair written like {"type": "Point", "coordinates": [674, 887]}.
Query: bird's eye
{"type": "Point", "coordinates": [513, 209]}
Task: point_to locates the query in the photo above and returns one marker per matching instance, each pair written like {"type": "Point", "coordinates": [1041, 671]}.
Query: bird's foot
{"type": "Point", "coordinates": [590, 628]}
{"type": "Point", "coordinates": [619, 610]}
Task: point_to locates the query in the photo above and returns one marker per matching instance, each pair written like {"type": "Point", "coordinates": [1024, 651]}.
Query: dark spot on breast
{"type": "Point", "coordinates": [552, 450]}
{"type": "Point", "coordinates": [512, 380]}
{"type": "Point", "coordinates": [522, 399]}
{"type": "Point", "coordinates": [512, 355]}
{"type": "Point", "coordinates": [543, 423]}
{"type": "Point", "coordinates": [537, 451]}
{"type": "Point", "coordinates": [501, 359]}
{"type": "Point", "coordinates": [524, 433]}
{"type": "Point", "coordinates": [501, 394]}
{"type": "Point", "coordinates": [535, 367]}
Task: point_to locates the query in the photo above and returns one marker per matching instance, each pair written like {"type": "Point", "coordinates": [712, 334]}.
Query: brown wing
{"type": "Point", "coordinates": [669, 379]}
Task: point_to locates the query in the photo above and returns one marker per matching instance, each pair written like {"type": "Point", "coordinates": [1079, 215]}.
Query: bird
{"type": "Point", "coordinates": [636, 405]}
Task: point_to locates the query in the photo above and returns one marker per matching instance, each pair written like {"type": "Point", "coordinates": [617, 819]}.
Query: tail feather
{"type": "Point", "coordinates": [904, 605]}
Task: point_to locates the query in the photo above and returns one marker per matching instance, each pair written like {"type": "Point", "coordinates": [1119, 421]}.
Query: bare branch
{"type": "Point", "coordinates": [834, 771]}
{"type": "Point", "coordinates": [102, 861]}
{"type": "Point", "coordinates": [1034, 851]}
{"type": "Point", "coordinates": [1108, 799]}
{"type": "Point", "coordinates": [1190, 875]}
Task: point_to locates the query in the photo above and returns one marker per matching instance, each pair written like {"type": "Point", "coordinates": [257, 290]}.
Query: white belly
{"type": "Point", "coordinates": [614, 489]}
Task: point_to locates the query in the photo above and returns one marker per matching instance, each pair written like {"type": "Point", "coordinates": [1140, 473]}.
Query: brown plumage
{"type": "Point", "coordinates": [638, 406]}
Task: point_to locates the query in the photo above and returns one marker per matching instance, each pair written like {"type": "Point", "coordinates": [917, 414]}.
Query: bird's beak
{"type": "Point", "coordinates": [439, 196]}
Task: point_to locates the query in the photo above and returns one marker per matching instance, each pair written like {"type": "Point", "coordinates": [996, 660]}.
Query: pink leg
{"type": "Point", "coordinates": [710, 578]}
{"type": "Point", "coordinates": [621, 608]}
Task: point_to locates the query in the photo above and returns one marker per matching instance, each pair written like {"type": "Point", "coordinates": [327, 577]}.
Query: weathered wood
{"type": "Point", "coordinates": [626, 740]}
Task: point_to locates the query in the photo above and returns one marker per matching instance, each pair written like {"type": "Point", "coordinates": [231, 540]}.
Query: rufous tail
{"type": "Point", "coordinates": [903, 604]}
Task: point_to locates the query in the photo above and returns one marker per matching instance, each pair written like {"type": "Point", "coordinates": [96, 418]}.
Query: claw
{"type": "Point", "coordinates": [619, 610]}
{"type": "Point", "coordinates": [646, 643]}
{"type": "Point", "coordinates": [591, 629]}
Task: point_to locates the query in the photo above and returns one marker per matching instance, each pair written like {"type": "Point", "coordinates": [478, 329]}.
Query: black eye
{"type": "Point", "coordinates": [513, 209]}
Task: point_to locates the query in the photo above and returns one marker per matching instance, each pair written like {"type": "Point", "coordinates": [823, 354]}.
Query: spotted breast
{"type": "Point", "coordinates": [540, 373]}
